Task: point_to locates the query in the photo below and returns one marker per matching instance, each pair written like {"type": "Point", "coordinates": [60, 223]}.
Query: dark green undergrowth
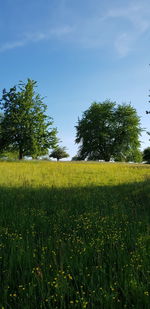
{"type": "Point", "coordinates": [81, 247]}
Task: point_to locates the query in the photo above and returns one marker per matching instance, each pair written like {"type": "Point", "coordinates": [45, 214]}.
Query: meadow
{"type": "Point", "coordinates": [74, 235]}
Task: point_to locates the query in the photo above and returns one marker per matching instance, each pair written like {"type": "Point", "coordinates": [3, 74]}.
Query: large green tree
{"type": "Point", "coordinates": [25, 127]}
{"type": "Point", "coordinates": [107, 130]}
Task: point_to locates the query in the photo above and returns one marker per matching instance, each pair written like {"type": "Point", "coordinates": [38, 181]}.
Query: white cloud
{"type": "Point", "coordinates": [137, 16]}
{"type": "Point", "coordinates": [49, 34]}
{"type": "Point", "coordinates": [12, 45]}
{"type": "Point", "coordinates": [123, 44]}
{"type": "Point", "coordinates": [36, 37]}
{"type": "Point", "coordinates": [119, 28]}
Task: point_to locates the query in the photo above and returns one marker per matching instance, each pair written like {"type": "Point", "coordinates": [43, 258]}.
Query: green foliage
{"type": "Point", "coordinates": [135, 156]}
{"type": "Point", "coordinates": [75, 158]}
{"type": "Point", "coordinates": [25, 127]}
{"type": "Point", "coordinates": [105, 131]}
{"type": "Point", "coordinates": [1, 117]}
{"type": "Point", "coordinates": [131, 155]}
{"type": "Point", "coordinates": [13, 155]}
{"type": "Point", "coordinates": [146, 155]}
{"type": "Point", "coordinates": [59, 153]}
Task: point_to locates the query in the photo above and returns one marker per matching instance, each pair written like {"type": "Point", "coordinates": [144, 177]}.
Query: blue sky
{"type": "Point", "coordinates": [78, 52]}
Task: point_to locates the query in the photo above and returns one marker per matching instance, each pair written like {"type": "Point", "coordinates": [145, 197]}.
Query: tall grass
{"type": "Point", "coordinates": [74, 235]}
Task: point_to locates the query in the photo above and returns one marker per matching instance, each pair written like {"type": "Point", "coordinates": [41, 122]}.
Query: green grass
{"type": "Point", "coordinates": [74, 235]}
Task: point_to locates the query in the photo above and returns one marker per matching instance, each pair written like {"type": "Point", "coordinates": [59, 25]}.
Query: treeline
{"type": "Point", "coordinates": [106, 131]}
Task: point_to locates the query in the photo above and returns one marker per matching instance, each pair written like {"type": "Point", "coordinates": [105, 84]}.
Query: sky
{"type": "Point", "coordinates": [78, 52]}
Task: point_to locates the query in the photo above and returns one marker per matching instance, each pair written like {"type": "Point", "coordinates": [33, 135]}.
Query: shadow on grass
{"type": "Point", "coordinates": [21, 206]}
{"type": "Point", "coordinates": [91, 232]}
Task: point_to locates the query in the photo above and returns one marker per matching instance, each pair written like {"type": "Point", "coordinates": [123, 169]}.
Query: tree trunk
{"type": "Point", "coordinates": [20, 154]}
{"type": "Point", "coordinates": [57, 159]}
{"type": "Point", "coordinates": [107, 157]}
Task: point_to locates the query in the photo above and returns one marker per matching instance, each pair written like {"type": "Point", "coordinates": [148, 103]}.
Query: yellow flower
{"type": "Point", "coordinates": [69, 276]}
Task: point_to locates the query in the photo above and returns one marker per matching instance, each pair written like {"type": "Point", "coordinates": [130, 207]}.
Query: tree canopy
{"type": "Point", "coordinates": [107, 130]}
{"type": "Point", "coordinates": [59, 153]}
{"type": "Point", "coordinates": [24, 126]}
{"type": "Point", "coordinates": [146, 155]}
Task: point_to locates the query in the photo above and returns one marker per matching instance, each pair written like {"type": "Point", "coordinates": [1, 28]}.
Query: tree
{"type": "Point", "coordinates": [59, 153]}
{"type": "Point", "coordinates": [13, 155]}
{"type": "Point", "coordinates": [1, 119]}
{"type": "Point", "coordinates": [134, 156]}
{"type": "Point", "coordinates": [25, 127]}
{"type": "Point", "coordinates": [105, 131]}
{"type": "Point", "coordinates": [146, 155]}
{"type": "Point", "coordinates": [75, 158]}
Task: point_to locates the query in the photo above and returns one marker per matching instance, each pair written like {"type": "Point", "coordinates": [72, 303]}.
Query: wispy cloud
{"type": "Point", "coordinates": [12, 45]}
{"type": "Point", "coordinates": [137, 16]}
{"type": "Point", "coordinates": [27, 38]}
{"type": "Point", "coordinates": [57, 33]}
{"type": "Point", "coordinates": [119, 27]}
{"type": "Point", "coordinates": [123, 44]}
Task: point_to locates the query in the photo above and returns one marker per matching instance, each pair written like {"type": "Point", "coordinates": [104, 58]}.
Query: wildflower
{"type": "Point", "coordinates": [38, 272]}
{"type": "Point", "coordinates": [69, 276]}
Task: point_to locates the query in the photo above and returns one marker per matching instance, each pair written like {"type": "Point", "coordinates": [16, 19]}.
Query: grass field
{"type": "Point", "coordinates": [74, 235]}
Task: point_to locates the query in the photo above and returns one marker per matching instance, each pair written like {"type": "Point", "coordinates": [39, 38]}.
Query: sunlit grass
{"type": "Point", "coordinates": [74, 235]}
{"type": "Point", "coordinates": [69, 174]}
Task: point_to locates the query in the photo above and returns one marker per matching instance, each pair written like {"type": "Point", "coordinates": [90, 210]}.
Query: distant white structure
{"type": "Point", "coordinates": [27, 158]}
